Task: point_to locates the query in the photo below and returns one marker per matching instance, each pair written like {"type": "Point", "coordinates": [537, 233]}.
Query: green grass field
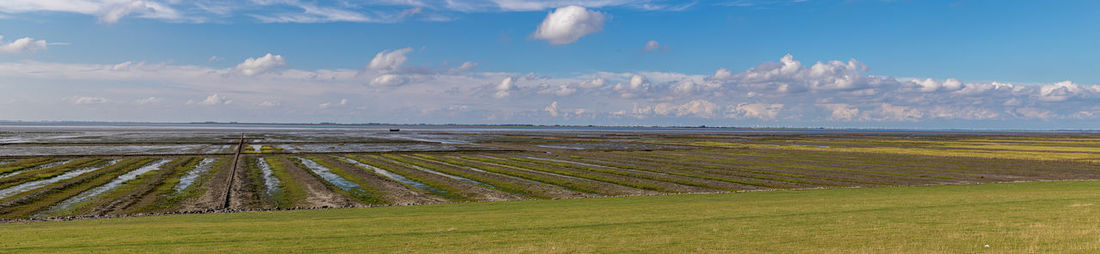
{"type": "Point", "coordinates": [1050, 217]}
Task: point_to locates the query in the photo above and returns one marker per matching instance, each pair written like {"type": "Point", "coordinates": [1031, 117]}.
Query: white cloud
{"type": "Point", "coordinates": [504, 88]}
{"type": "Point", "coordinates": [636, 86]}
{"type": "Point", "coordinates": [536, 5]}
{"type": "Point", "coordinates": [1035, 113]}
{"type": "Point", "coordinates": [593, 83]}
{"type": "Point", "coordinates": [25, 45]}
{"type": "Point", "coordinates": [700, 108]}
{"type": "Point", "coordinates": [899, 113]}
{"type": "Point", "coordinates": [264, 64]}
{"type": "Point", "coordinates": [87, 100]}
{"type": "Point", "coordinates": [961, 112]}
{"type": "Point", "coordinates": [832, 75]}
{"type": "Point", "coordinates": [302, 11]}
{"type": "Point", "coordinates": [147, 9]}
{"type": "Point", "coordinates": [561, 90]}
{"type": "Point", "coordinates": [686, 86]}
{"type": "Point", "coordinates": [842, 112]}
{"type": "Point", "coordinates": [722, 74]}
{"type": "Point", "coordinates": [552, 109]}
{"type": "Point", "coordinates": [762, 111]}
{"type": "Point", "coordinates": [148, 100]}
{"type": "Point", "coordinates": [605, 97]}
{"type": "Point", "coordinates": [342, 102]}
{"type": "Point", "coordinates": [694, 108]}
{"type": "Point", "coordinates": [653, 46]}
{"type": "Point", "coordinates": [388, 80]}
{"type": "Point", "coordinates": [213, 99]}
{"type": "Point", "coordinates": [464, 67]}
{"type": "Point", "coordinates": [1059, 91]}
{"type": "Point", "coordinates": [567, 24]}
{"type": "Point", "coordinates": [312, 13]}
{"type": "Point", "coordinates": [389, 60]}
{"type": "Point", "coordinates": [108, 11]}
{"type": "Point", "coordinates": [931, 85]}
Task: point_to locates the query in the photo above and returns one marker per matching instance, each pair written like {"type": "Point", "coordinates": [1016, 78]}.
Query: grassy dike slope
{"type": "Point", "coordinates": [1015, 217]}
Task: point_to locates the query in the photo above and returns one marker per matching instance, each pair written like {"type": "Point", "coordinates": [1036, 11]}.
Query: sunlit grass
{"type": "Point", "coordinates": [1042, 217]}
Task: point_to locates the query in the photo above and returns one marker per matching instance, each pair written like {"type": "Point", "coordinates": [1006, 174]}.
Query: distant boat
{"type": "Point", "coordinates": [395, 130]}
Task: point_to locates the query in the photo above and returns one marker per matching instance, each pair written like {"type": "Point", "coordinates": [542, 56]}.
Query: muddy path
{"type": "Point", "coordinates": [248, 190]}
{"type": "Point", "coordinates": [387, 189]}
{"type": "Point", "coordinates": [213, 190]}
{"type": "Point", "coordinates": [318, 193]}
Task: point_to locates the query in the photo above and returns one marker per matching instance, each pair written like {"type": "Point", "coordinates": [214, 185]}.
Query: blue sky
{"type": "Point", "coordinates": [853, 63]}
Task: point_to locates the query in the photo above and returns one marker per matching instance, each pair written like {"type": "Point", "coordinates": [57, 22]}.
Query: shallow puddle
{"type": "Point", "coordinates": [191, 176]}
{"type": "Point", "coordinates": [333, 178]}
{"type": "Point", "coordinates": [561, 147]}
{"type": "Point", "coordinates": [443, 174]}
{"type": "Point", "coordinates": [270, 181]}
{"type": "Point", "coordinates": [396, 177]}
{"type": "Point", "coordinates": [103, 188]}
{"type": "Point", "coordinates": [38, 184]}
{"type": "Point", "coordinates": [216, 149]}
{"type": "Point", "coordinates": [257, 148]}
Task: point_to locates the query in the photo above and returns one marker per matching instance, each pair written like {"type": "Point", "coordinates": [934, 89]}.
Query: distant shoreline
{"type": "Point", "coordinates": [324, 125]}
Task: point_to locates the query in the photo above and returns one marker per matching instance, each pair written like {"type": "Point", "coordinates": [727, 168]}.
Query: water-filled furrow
{"type": "Point", "coordinates": [189, 178]}
{"type": "Point", "coordinates": [256, 148]}
{"type": "Point", "coordinates": [47, 165]}
{"type": "Point", "coordinates": [396, 177]}
{"type": "Point", "coordinates": [530, 170]}
{"type": "Point", "coordinates": [444, 174]}
{"type": "Point", "coordinates": [487, 172]}
{"type": "Point", "coordinates": [88, 194]}
{"type": "Point", "coordinates": [215, 148]}
{"type": "Point", "coordinates": [40, 183]}
{"type": "Point", "coordinates": [594, 165]}
{"type": "Point", "coordinates": [270, 181]}
{"type": "Point", "coordinates": [333, 178]}
{"type": "Point", "coordinates": [565, 161]}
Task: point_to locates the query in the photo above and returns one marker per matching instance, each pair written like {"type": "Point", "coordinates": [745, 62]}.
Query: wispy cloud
{"type": "Point", "coordinates": [295, 11]}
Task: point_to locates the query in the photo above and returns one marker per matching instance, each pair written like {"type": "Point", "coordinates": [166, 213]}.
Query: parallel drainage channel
{"type": "Point", "coordinates": [396, 177]}
{"type": "Point", "coordinates": [40, 183]}
{"type": "Point", "coordinates": [47, 165]}
{"type": "Point", "coordinates": [200, 169]}
{"type": "Point", "coordinates": [103, 188]}
{"type": "Point", "coordinates": [333, 178]}
{"type": "Point", "coordinates": [270, 181]}
{"type": "Point", "coordinates": [441, 173]}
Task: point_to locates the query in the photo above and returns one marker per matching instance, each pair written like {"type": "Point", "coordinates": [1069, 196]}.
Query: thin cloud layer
{"type": "Point", "coordinates": [297, 11]}
{"type": "Point", "coordinates": [784, 92]}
